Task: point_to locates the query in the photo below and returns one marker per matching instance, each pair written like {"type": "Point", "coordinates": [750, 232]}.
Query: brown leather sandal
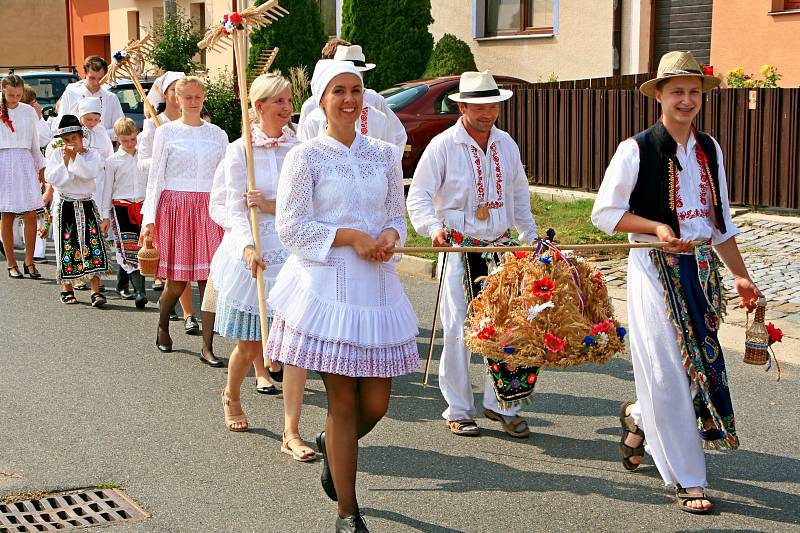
{"type": "Point", "coordinates": [684, 498]}
{"type": "Point", "coordinates": [511, 426]}
{"type": "Point", "coordinates": [301, 452]}
{"type": "Point", "coordinates": [464, 428]}
{"type": "Point", "coordinates": [628, 428]}
{"type": "Point", "coordinates": [230, 420]}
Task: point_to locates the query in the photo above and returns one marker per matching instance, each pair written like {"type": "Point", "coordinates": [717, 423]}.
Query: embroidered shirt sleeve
{"type": "Point", "coordinates": [427, 180]}
{"type": "Point", "coordinates": [295, 221]}
{"type": "Point", "coordinates": [613, 198]}
{"type": "Point", "coordinates": [86, 166]}
{"type": "Point", "coordinates": [55, 173]}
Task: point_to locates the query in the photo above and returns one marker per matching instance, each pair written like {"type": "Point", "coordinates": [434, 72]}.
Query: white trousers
{"type": "Point", "coordinates": [19, 240]}
{"type": "Point", "coordinates": [664, 408]}
{"type": "Point", "coordinates": [454, 378]}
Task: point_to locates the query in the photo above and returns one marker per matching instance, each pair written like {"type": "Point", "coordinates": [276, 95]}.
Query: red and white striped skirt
{"type": "Point", "coordinates": [186, 237]}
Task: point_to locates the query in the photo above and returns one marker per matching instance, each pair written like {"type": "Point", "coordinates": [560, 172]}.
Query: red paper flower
{"type": "Point", "coordinates": [602, 327]}
{"type": "Point", "coordinates": [486, 333]}
{"type": "Point", "coordinates": [553, 343]}
{"type": "Point", "coordinates": [775, 334]}
{"type": "Point", "coordinates": [531, 379]}
{"type": "Point", "coordinates": [235, 18]}
{"type": "Point", "coordinates": [558, 256]}
{"type": "Point", "coordinates": [520, 255]}
{"type": "Point", "coordinates": [458, 237]}
{"type": "Point", "coordinates": [543, 288]}
{"type": "Point", "coordinates": [598, 279]}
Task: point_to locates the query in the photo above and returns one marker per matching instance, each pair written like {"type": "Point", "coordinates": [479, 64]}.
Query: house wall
{"type": "Point", "coordinates": [43, 42]}
{"type": "Point", "coordinates": [582, 47]}
{"type": "Point", "coordinates": [89, 29]}
{"type": "Point", "coordinates": [773, 39]}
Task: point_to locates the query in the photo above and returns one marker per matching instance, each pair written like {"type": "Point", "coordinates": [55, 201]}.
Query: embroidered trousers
{"type": "Point", "coordinates": [454, 378]}
{"type": "Point", "coordinates": [664, 408]}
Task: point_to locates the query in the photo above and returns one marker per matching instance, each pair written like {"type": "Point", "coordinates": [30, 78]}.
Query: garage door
{"type": "Point", "coordinates": [682, 25]}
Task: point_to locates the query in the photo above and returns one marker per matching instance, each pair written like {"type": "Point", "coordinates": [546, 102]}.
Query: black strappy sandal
{"type": "Point", "coordinates": [31, 271]}
{"type": "Point", "coordinates": [625, 451]}
{"type": "Point", "coordinates": [98, 300]}
{"type": "Point", "coordinates": [16, 269]}
{"type": "Point", "coordinates": [68, 297]}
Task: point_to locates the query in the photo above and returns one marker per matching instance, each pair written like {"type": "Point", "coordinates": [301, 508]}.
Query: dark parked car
{"type": "Point", "coordinates": [425, 110]}
{"type": "Point", "coordinates": [48, 84]}
{"type": "Point", "coordinates": [132, 105]}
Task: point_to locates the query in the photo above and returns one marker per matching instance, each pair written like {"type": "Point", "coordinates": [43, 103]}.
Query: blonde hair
{"type": "Point", "coordinates": [267, 86]}
{"type": "Point", "coordinates": [188, 80]}
{"type": "Point", "coordinates": [125, 126]}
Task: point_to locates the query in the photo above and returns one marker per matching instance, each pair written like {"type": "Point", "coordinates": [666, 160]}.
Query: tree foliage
{"type": "Point", "coordinates": [451, 56]}
{"type": "Point", "coordinates": [300, 36]}
{"type": "Point", "coordinates": [222, 105]}
{"type": "Point", "coordinates": [394, 35]}
{"type": "Point", "coordinates": [176, 41]}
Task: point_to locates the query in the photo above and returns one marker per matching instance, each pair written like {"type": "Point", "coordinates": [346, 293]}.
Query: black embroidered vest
{"type": "Point", "coordinates": [651, 195]}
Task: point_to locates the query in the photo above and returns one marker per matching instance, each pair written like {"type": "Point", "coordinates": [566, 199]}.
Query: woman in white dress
{"type": "Point", "coordinates": [235, 264]}
{"type": "Point", "coordinates": [21, 173]}
{"type": "Point", "coordinates": [175, 215]}
{"type": "Point", "coordinates": [339, 307]}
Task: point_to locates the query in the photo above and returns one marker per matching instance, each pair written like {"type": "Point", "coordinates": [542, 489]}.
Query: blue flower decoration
{"type": "Point", "coordinates": [621, 332]}
{"type": "Point", "coordinates": [508, 349]}
{"type": "Point", "coordinates": [588, 340]}
{"type": "Point", "coordinates": [97, 251]}
{"type": "Point", "coordinates": [545, 259]}
{"type": "Point", "coordinates": [119, 56]}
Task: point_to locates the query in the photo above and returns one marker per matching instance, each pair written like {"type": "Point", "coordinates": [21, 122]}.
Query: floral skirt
{"type": "Point", "coordinates": [186, 237]}
{"type": "Point", "coordinates": [80, 247]}
{"type": "Point", "coordinates": [126, 225]}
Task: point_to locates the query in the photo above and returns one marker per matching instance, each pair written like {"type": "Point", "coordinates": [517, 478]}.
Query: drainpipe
{"type": "Point", "coordinates": [69, 33]}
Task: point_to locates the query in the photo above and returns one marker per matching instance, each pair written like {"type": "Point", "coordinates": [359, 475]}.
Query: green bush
{"type": "Point", "coordinates": [300, 36]}
{"type": "Point", "coordinates": [222, 105]}
{"type": "Point", "coordinates": [394, 35]}
{"type": "Point", "coordinates": [451, 56]}
{"type": "Point", "coordinates": [175, 44]}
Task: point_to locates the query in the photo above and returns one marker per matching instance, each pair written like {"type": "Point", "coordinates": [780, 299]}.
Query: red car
{"type": "Point", "coordinates": [425, 110]}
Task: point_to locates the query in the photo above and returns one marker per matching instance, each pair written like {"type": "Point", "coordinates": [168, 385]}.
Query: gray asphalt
{"type": "Point", "coordinates": [86, 399]}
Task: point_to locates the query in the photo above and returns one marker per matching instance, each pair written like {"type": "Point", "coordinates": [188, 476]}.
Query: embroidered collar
{"type": "Point", "coordinates": [338, 146]}
{"type": "Point", "coordinates": [263, 140]}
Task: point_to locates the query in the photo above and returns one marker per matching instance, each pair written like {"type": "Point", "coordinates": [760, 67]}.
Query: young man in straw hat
{"type": "Point", "coordinates": [668, 184]}
{"type": "Point", "coordinates": [470, 188]}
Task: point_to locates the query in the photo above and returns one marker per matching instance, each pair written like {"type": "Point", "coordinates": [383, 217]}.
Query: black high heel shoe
{"type": "Point", "coordinates": [325, 478]}
{"type": "Point", "coordinates": [163, 348]}
{"type": "Point", "coordinates": [31, 271]}
{"type": "Point", "coordinates": [16, 269]}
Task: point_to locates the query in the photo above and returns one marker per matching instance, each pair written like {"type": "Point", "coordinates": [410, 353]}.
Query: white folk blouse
{"type": "Point", "coordinates": [78, 180]}
{"type": "Point", "coordinates": [452, 172]}
{"type": "Point", "coordinates": [25, 134]}
{"type": "Point", "coordinates": [184, 159]}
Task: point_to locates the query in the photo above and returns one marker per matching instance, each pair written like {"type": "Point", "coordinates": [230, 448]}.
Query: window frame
{"type": "Point", "coordinates": [779, 8]}
{"type": "Point", "coordinates": [524, 29]}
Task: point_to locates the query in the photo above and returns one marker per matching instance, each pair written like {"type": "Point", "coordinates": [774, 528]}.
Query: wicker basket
{"type": "Point", "coordinates": [544, 310]}
{"type": "Point", "coordinates": [148, 259]}
{"type": "Point", "coordinates": [756, 343]}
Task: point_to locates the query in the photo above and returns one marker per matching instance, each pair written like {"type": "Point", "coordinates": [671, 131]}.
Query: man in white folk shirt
{"type": "Point", "coordinates": [469, 189]}
{"type": "Point", "coordinates": [94, 68]}
{"type": "Point", "coordinates": [375, 120]}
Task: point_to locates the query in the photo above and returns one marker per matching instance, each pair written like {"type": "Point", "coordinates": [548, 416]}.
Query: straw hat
{"type": "Point", "coordinates": [675, 64]}
{"type": "Point", "coordinates": [354, 55]}
{"type": "Point", "coordinates": [479, 88]}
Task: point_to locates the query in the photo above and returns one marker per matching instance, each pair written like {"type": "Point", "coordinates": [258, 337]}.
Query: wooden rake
{"type": "Point", "coordinates": [233, 31]}
{"type": "Point", "coordinates": [130, 62]}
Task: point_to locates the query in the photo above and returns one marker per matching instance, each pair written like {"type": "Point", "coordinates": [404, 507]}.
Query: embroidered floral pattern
{"type": "Point", "coordinates": [481, 188]}
{"type": "Point", "coordinates": [363, 120]}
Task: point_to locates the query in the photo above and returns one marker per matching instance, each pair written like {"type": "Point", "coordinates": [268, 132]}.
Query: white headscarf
{"type": "Point", "coordinates": [325, 71]}
{"type": "Point", "coordinates": [90, 104]}
{"type": "Point", "coordinates": [157, 93]}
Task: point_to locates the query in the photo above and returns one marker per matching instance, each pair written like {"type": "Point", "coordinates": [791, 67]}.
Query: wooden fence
{"type": "Point", "coordinates": [567, 134]}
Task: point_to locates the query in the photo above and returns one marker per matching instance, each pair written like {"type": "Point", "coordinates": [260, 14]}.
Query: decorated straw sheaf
{"type": "Point", "coordinates": [130, 61]}
{"type": "Point", "coordinates": [544, 309]}
{"type": "Point", "coordinates": [218, 36]}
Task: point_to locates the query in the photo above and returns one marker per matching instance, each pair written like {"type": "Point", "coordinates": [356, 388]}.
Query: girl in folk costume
{"type": "Point", "coordinates": [122, 202]}
{"type": "Point", "coordinates": [668, 184]}
{"type": "Point", "coordinates": [72, 170]}
{"type": "Point", "coordinates": [339, 306]}
{"type": "Point", "coordinates": [235, 265]}
{"type": "Point", "coordinates": [163, 97]}
{"type": "Point", "coordinates": [375, 119]}
{"type": "Point", "coordinates": [469, 189]}
{"type": "Point", "coordinates": [175, 213]}
{"type": "Point", "coordinates": [21, 173]}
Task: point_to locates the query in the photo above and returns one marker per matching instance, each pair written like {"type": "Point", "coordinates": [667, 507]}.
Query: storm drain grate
{"type": "Point", "coordinates": [69, 510]}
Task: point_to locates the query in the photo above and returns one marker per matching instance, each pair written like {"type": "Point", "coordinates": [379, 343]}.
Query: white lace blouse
{"type": "Point", "coordinates": [25, 134]}
{"type": "Point", "coordinates": [184, 159]}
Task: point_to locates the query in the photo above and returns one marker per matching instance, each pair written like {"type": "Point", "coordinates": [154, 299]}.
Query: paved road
{"type": "Point", "coordinates": [86, 399]}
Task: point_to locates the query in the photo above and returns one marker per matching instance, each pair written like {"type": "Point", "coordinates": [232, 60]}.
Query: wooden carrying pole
{"type": "Point", "coordinates": [500, 249]}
